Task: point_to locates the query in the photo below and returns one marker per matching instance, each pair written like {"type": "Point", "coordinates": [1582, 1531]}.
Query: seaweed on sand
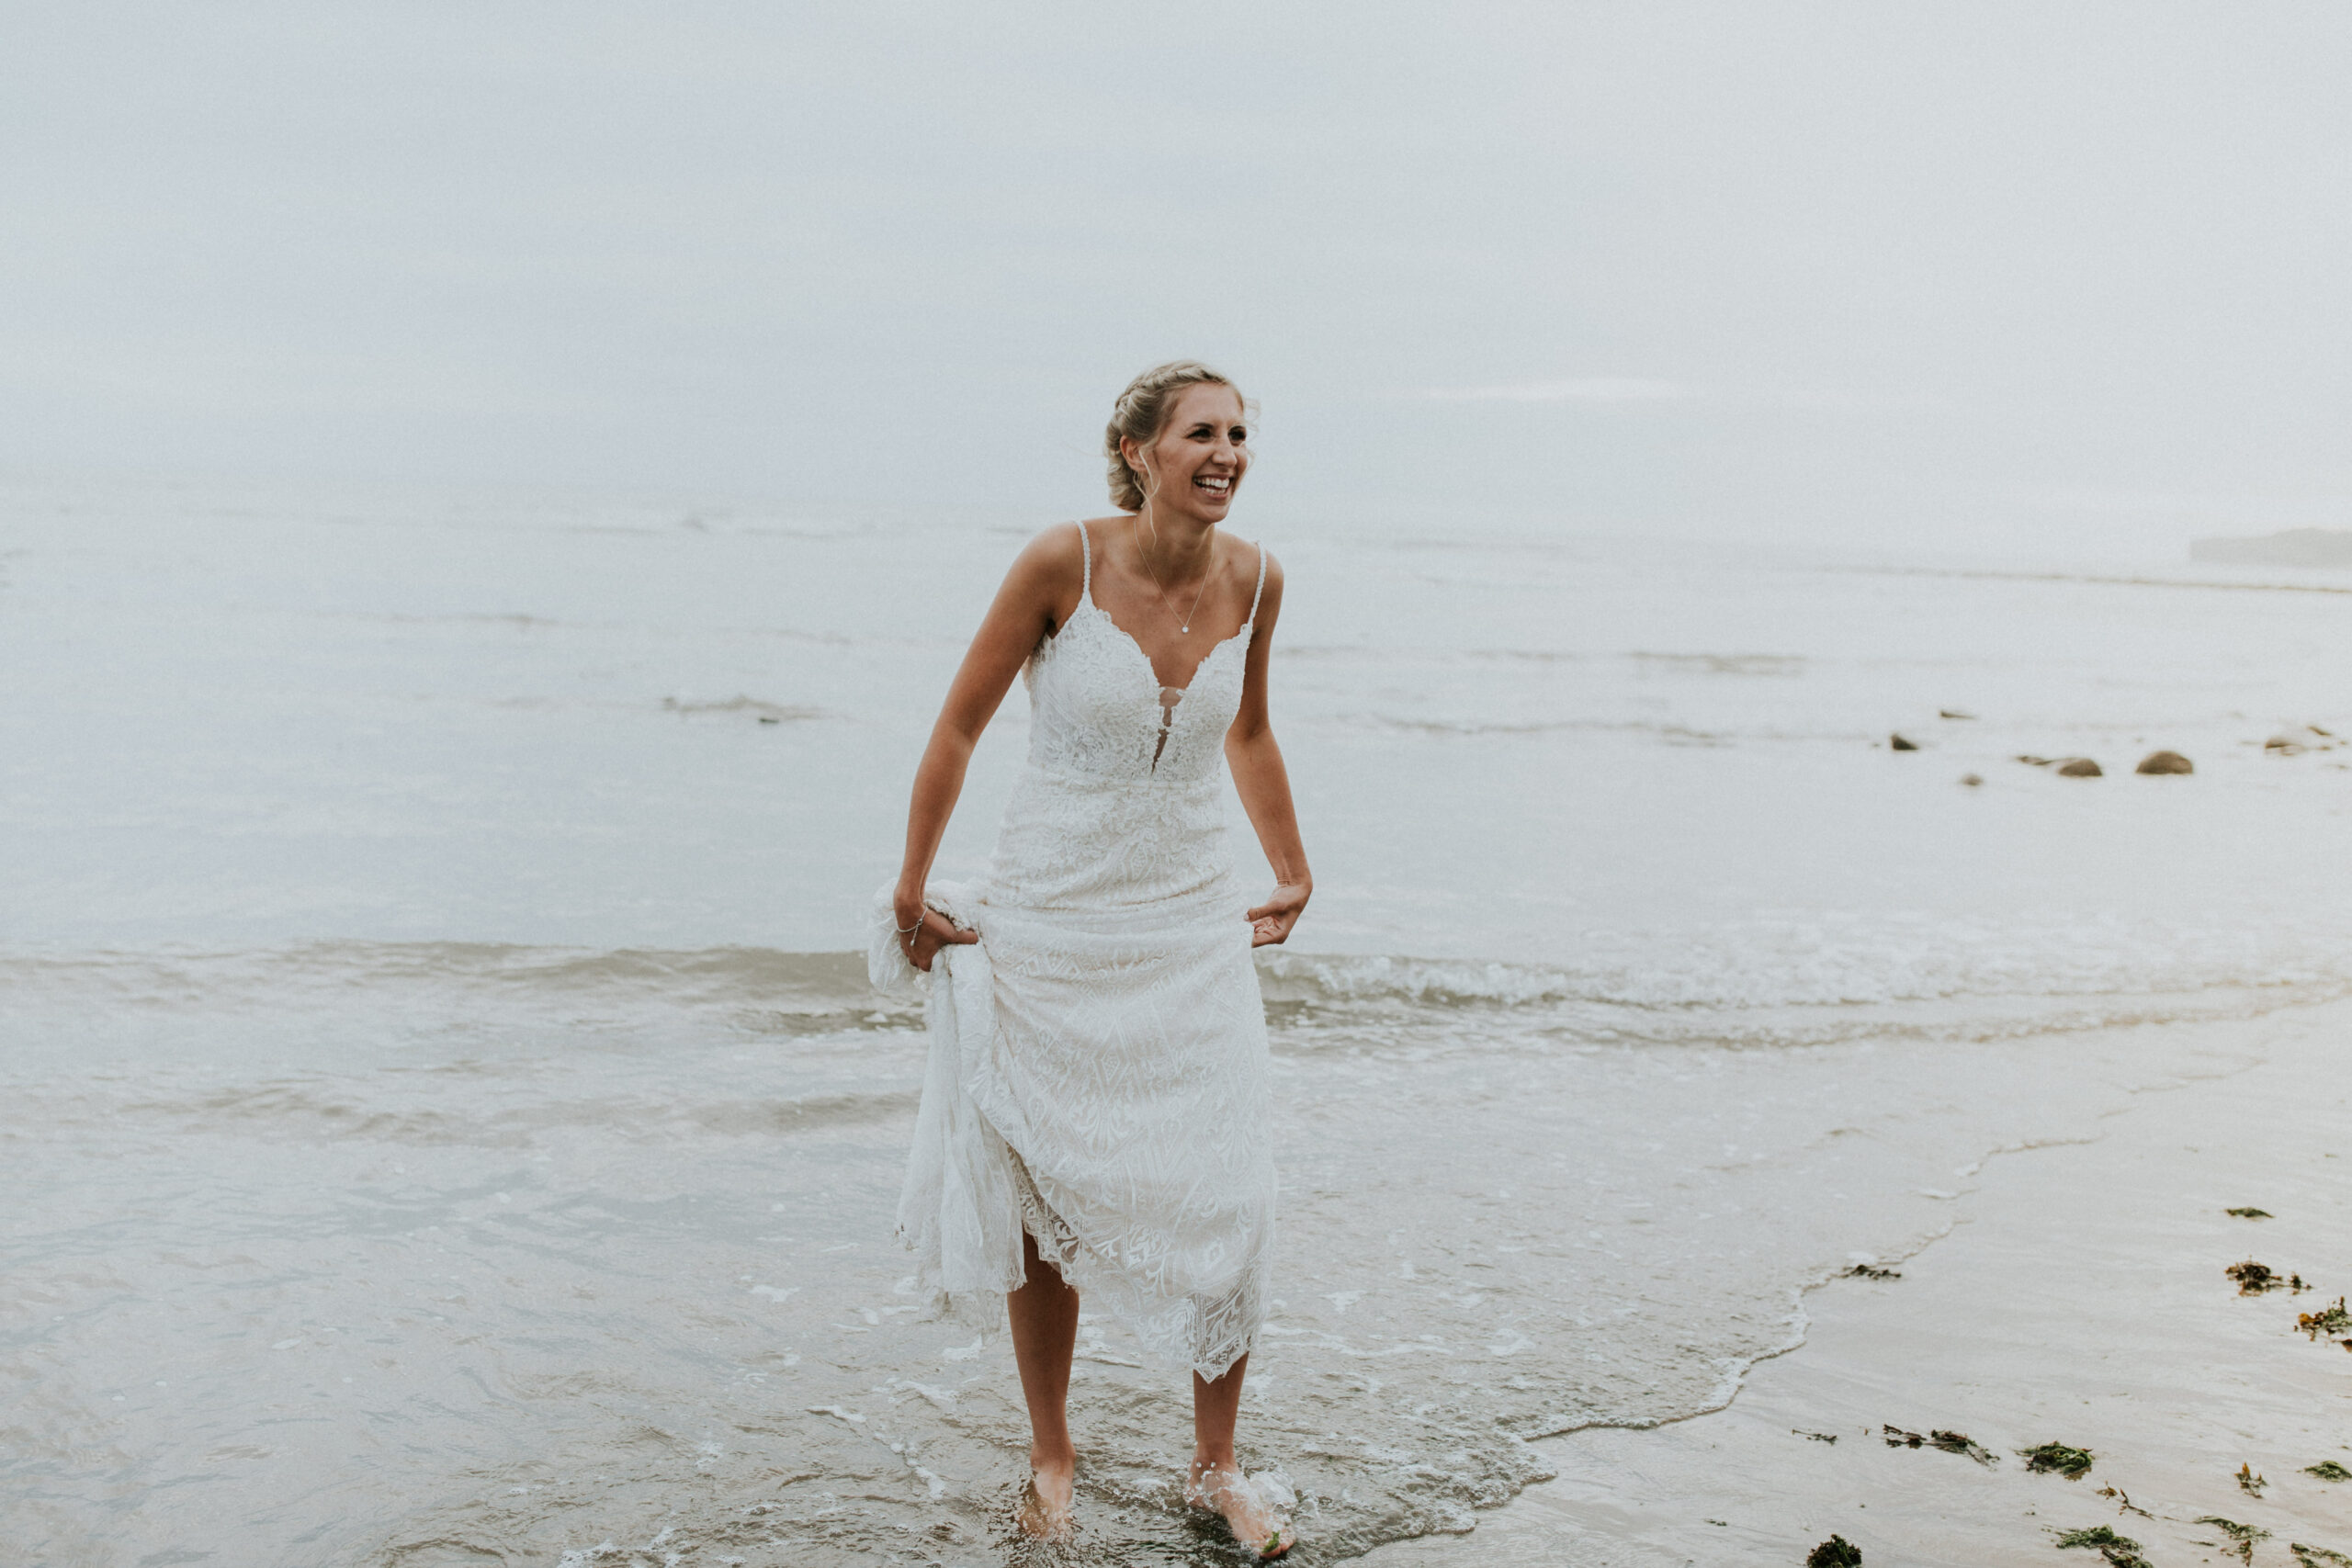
{"type": "Point", "coordinates": [1950, 1442]}
{"type": "Point", "coordinates": [2097, 1535]}
{"type": "Point", "coordinates": [2254, 1278]}
{"type": "Point", "coordinates": [2240, 1535]}
{"type": "Point", "coordinates": [2330, 1320]}
{"type": "Point", "coordinates": [1835, 1552]}
{"type": "Point", "coordinates": [1962, 1443]}
{"type": "Point", "coordinates": [2249, 1482]}
{"type": "Point", "coordinates": [2071, 1463]}
{"type": "Point", "coordinates": [2318, 1556]}
{"type": "Point", "coordinates": [2121, 1551]}
{"type": "Point", "coordinates": [2123, 1504]}
{"type": "Point", "coordinates": [2248, 1213]}
{"type": "Point", "coordinates": [1866, 1272]}
{"type": "Point", "coordinates": [2328, 1470]}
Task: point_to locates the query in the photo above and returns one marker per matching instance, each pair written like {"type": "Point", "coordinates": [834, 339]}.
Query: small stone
{"type": "Point", "coordinates": [1897, 743]}
{"type": "Point", "coordinates": [2080, 768]}
{"type": "Point", "coordinates": [2164, 762]}
{"type": "Point", "coordinates": [1972, 780]}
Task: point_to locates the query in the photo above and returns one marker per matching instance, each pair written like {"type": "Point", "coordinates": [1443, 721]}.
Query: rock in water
{"type": "Point", "coordinates": [1897, 743]}
{"type": "Point", "coordinates": [1836, 1553]}
{"type": "Point", "coordinates": [2164, 762]}
{"type": "Point", "coordinates": [2079, 768]}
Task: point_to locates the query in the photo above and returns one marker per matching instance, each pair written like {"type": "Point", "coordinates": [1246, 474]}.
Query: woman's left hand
{"type": "Point", "coordinates": [1271, 921]}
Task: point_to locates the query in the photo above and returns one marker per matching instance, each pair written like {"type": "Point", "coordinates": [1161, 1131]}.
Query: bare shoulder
{"type": "Point", "coordinates": [1042, 587]}
{"type": "Point", "coordinates": [1245, 560]}
{"type": "Point", "coordinates": [1053, 559]}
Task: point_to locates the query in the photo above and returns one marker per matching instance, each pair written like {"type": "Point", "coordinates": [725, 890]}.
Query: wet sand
{"type": "Point", "coordinates": [2078, 1298]}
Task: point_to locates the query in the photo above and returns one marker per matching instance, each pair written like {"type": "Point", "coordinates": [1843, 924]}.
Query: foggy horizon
{"type": "Point", "coordinates": [1973, 276]}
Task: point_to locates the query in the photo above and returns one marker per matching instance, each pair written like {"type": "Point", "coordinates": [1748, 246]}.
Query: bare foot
{"type": "Point", "coordinates": [1044, 1512]}
{"type": "Point", "coordinates": [1255, 1522]}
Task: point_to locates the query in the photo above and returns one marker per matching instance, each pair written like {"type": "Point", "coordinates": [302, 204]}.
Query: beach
{"type": "Point", "coordinates": [2080, 1297]}
{"type": "Point", "coordinates": [448, 1121]}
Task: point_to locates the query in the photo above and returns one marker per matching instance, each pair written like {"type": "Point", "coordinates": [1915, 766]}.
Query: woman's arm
{"type": "Point", "coordinates": [1038, 592]}
{"type": "Point", "coordinates": [1264, 784]}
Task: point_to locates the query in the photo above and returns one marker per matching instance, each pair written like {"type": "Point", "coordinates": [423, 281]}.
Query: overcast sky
{"type": "Point", "coordinates": [1913, 273]}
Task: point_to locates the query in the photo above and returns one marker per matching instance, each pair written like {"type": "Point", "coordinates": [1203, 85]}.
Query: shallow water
{"type": "Point", "coordinates": [444, 1124]}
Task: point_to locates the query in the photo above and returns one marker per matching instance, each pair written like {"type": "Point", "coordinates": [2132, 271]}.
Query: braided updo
{"type": "Point", "coordinates": [1138, 415]}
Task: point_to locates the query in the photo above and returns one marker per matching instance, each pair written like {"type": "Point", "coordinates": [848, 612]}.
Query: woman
{"type": "Point", "coordinates": [1094, 1118]}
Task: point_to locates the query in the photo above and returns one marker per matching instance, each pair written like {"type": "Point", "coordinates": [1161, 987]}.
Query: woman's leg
{"type": "Point", "coordinates": [1217, 1480]}
{"type": "Point", "coordinates": [1045, 1332]}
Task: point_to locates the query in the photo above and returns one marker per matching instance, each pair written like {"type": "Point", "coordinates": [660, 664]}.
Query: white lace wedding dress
{"type": "Point", "coordinates": [1098, 1068]}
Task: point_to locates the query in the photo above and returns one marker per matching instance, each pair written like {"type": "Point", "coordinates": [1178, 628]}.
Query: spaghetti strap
{"type": "Point", "coordinates": [1262, 586]}
{"type": "Point", "coordinates": [1085, 560]}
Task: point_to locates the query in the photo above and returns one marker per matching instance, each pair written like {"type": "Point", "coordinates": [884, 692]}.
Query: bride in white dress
{"type": "Point", "coordinates": [1094, 1119]}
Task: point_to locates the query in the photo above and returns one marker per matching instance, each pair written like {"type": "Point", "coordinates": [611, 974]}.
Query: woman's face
{"type": "Point", "coordinates": [1196, 464]}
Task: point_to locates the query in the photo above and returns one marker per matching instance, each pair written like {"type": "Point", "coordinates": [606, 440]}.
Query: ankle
{"type": "Point", "coordinates": [1052, 1461]}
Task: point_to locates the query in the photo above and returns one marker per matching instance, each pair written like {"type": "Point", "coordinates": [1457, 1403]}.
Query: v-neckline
{"type": "Point", "coordinates": [1136, 643]}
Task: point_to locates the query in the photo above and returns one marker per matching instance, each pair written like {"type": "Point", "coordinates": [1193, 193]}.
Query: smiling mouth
{"type": "Point", "coordinates": [1216, 484]}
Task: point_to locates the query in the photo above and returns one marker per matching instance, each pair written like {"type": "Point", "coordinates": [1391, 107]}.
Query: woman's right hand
{"type": "Point", "coordinates": [922, 944]}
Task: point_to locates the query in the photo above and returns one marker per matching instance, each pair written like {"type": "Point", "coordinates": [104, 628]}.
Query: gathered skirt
{"type": "Point", "coordinates": [1098, 1072]}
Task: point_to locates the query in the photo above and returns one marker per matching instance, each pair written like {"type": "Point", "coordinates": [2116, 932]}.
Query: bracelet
{"type": "Point", "coordinates": [910, 930]}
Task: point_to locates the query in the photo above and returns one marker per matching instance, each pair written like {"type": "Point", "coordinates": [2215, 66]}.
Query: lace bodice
{"type": "Point", "coordinates": [1098, 711]}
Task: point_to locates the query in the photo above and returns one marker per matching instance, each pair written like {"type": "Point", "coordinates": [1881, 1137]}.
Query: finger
{"type": "Point", "coordinates": [946, 931]}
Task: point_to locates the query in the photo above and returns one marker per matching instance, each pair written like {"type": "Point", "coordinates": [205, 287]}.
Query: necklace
{"type": "Point", "coordinates": [1184, 621]}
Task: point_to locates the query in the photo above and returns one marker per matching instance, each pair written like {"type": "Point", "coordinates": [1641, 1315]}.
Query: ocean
{"type": "Point", "coordinates": [444, 1119]}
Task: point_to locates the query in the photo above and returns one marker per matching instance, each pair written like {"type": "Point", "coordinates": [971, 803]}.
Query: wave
{"type": "Point", "coordinates": [1762, 980]}
{"type": "Point", "coordinates": [1673, 734]}
{"type": "Point", "coordinates": [1738, 664]}
{"type": "Point", "coordinates": [453, 991]}
{"type": "Point", "coordinates": [2100, 580]}
{"type": "Point", "coordinates": [374, 1110]}
{"type": "Point", "coordinates": [1757, 969]}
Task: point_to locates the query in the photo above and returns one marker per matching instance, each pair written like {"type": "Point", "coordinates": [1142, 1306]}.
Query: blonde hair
{"type": "Point", "coordinates": [1141, 413]}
